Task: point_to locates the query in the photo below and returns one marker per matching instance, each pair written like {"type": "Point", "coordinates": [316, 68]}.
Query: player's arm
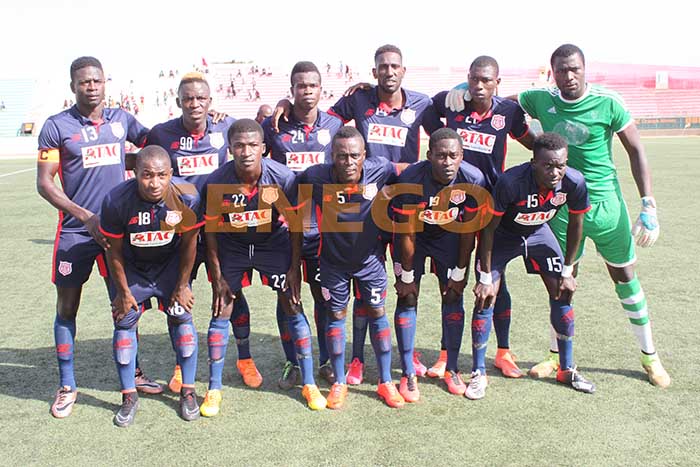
{"type": "Point", "coordinates": [46, 170]}
{"type": "Point", "coordinates": [294, 273]}
{"type": "Point", "coordinates": [188, 251]}
{"type": "Point", "coordinates": [574, 232]}
{"type": "Point", "coordinates": [460, 275]}
{"type": "Point", "coordinates": [484, 290]}
{"type": "Point", "coordinates": [221, 292]}
{"type": "Point", "coordinates": [528, 139]}
{"type": "Point", "coordinates": [124, 300]}
{"type": "Point", "coordinates": [282, 109]}
{"type": "Point", "coordinates": [406, 285]}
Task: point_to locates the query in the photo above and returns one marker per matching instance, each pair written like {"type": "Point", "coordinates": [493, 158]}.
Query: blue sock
{"type": "Point", "coordinates": [481, 328]}
{"type": "Point", "coordinates": [335, 342]}
{"type": "Point", "coordinates": [301, 336]}
{"type": "Point", "coordinates": [240, 321]}
{"type": "Point", "coordinates": [217, 341]}
{"type": "Point", "coordinates": [380, 335]}
{"type": "Point", "coordinates": [64, 336]}
{"type": "Point", "coordinates": [187, 347]}
{"type": "Point", "coordinates": [285, 336]}
{"type": "Point", "coordinates": [453, 322]}
{"type": "Point", "coordinates": [562, 319]}
{"type": "Point", "coordinates": [405, 326]}
{"type": "Point", "coordinates": [320, 318]}
{"type": "Point", "coordinates": [359, 329]}
{"type": "Point", "coordinates": [124, 348]}
{"type": "Point", "coordinates": [501, 316]}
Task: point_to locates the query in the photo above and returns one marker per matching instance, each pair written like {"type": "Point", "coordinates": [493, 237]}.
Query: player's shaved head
{"type": "Point", "coordinates": [192, 77]}
{"type": "Point", "coordinates": [83, 62]}
{"type": "Point", "coordinates": [304, 67]}
{"type": "Point", "coordinates": [443, 133]}
{"type": "Point", "coordinates": [245, 125]}
{"type": "Point", "coordinates": [151, 153]}
{"type": "Point", "coordinates": [567, 50]}
{"type": "Point", "coordinates": [549, 141]}
{"type": "Point", "coordinates": [483, 61]}
{"type": "Point", "coordinates": [348, 132]}
{"type": "Point", "coordinates": [387, 48]}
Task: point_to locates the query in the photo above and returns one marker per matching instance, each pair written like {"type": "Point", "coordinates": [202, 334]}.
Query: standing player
{"type": "Point", "coordinates": [525, 198]}
{"type": "Point", "coordinates": [152, 228]}
{"type": "Point", "coordinates": [344, 193]}
{"type": "Point", "coordinates": [304, 140]}
{"type": "Point", "coordinates": [484, 125]}
{"type": "Point", "coordinates": [446, 185]}
{"type": "Point", "coordinates": [250, 235]}
{"type": "Point", "coordinates": [84, 145]}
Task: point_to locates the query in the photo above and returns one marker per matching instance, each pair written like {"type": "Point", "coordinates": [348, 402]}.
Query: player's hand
{"type": "Point", "coordinates": [646, 228]}
{"type": "Point", "coordinates": [293, 284]}
{"type": "Point", "coordinates": [457, 96]}
{"type": "Point", "coordinates": [92, 224]}
{"type": "Point", "coordinates": [282, 109]}
{"type": "Point", "coordinates": [122, 304]}
{"type": "Point", "coordinates": [216, 117]}
{"type": "Point", "coordinates": [455, 287]}
{"type": "Point", "coordinates": [485, 295]}
{"type": "Point", "coordinates": [351, 90]}
{"type": "Point", "coordinates": [567, 287]}
{"type": "Point", "coordinates": [221, 296]}
{"type": "Point", "coordinates": [184, 296]}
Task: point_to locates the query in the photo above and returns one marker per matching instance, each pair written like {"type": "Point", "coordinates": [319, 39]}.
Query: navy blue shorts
{"type": "Point", "coordinates": [74, 253]}
{"type": "Point", "coordinates": [370, 282]}
{"type": "Point", "coordinates": [443, 254]}
{"type": "Point", "coordinates": [271, 261]}
{"type": "Point", "coordinates": [157, 281]}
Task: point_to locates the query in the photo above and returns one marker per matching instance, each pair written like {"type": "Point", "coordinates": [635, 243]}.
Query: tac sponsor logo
{"type": "Point", "coordinates": [101, 154]}
{"type": "Point", "coordinates": [199, 164]}
{"type": "Point", "coordinates": [172, 218]}
{"type": "Point", "coordinates": [387, 134]}
{"type": "Point", "coordinates": [498, 122]}
{"type": "Point", "coordinates": [324, 136]}
{"type": "Point", "coordinates": [65, 268]}
{"type": "Point", "coordinates": [457, 196]}
{"type": "Point", "coordinates": [534, 218]}
{"type": "Point", "coordinates": [269, 194]}
{"type": "Point", "coordinates": [369, 191]}
{"type": "Point", "coordinates": [117, 129]}
{"type": "Point", "coordinates": [559, 199]}
{"type": "Point", "coordinates": [300, 161]}
{"type": "Point", "coordinates": [216, 140]}
{"type": "Point", "coordinates": [408, 116]}
{"type": "Point", "coordinates": [152, 238]}
{"type": "Point", "coordinates": [430, 216]}
{"type": "Point", "coordinates": [250, 218]}
{"type": "Point", "coordinates": [476, 141]}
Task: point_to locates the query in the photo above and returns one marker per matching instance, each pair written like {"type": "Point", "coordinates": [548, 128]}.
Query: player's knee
{"type": "Point", "coordinates": [124, 344]}
{"type": "Point", "coordinates": [375, 313]}
{"type": "Point", "coordinates": [129, 321]}
{"type": "Point", "coordinates": [335, 315]}
{"type": "Point", "coordinates": [408, 301]}
{"type": "Point", "coordinates": [451, 297]}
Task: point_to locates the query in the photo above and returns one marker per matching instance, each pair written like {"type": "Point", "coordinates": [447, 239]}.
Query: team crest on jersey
{"type": "Point", "coordinates": [325, 293]}
{"type": "Point", "coordinates": [458, 196]}
{"type": "Point", "coordinates": [172, 218]}
{"type": "Point", "coordinates": [559, 199]}
{"type": "Point", "coordinates": [65, 268]}
{"type": "Point", "coordinates": [117, 129]}
{"type": "Point", "coordinates": [498, 122]}
{"type": "Point", "coordinates": [408, 116]}
{"type": "Point", "coordinates": [369, 191]}
{"type": "Point", "coordinates": [323, 136]}
{"type": "Point", "coordinates": [269, 194]}
{"type": "Point", "coordinates": [216, 139]}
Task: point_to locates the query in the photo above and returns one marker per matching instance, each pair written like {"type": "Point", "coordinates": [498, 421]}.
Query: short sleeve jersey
{"type": "Point", "coordinates": [484, 139]}
{"type": "Point", "coordinates": [151, 231]}
{"type": "Point", "coordinates": [193, 157]}
{"type": "Point", "coordinates": [254, 222]}
{"type": "Point", "coordinates": [433, 211]}
{"type": "Point", "coordinates": [525, 208]}
{"type": "Point", "coordinates": [588, 124]}
{"type": "Point", "coordinates": [344, 246]}
{"type": "Point", "coordinates": [393, 134]}
{"type": "Point", "coordinates": [90, 155]}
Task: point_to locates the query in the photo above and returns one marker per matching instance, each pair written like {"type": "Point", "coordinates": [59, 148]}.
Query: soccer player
{"type": "Point", "coordinates": [525, 198]}
{"type": "Point", "coordinates": [446, 186]}
{"type": "Point", "coordinates": [197, 146]}
{"type": "Point", "coordinates": [484, 125]}
{"type": "Point", "coordinates": [304, 140]}
{"type": "Point", "coordinates": [245, 232]}
{"type": "Point", "coordinates": [152, 226]}
{"type": "Point", "coordinates": [344, 193]}
{"type": "Point", "coordinates": [389, 118]}
{"type": "Point", "coordinates": [84, 145]}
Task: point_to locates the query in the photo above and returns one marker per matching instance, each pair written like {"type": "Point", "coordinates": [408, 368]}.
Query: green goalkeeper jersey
{"type": "Point", "coordinates": [588, 124]}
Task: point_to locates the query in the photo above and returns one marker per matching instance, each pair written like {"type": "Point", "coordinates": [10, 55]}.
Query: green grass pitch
{"type": "Point", "coordinates": [520, 422]}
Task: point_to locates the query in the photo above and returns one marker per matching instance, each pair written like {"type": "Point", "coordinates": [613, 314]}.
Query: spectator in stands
{"type": "Point", "coordinates": [264, 111]}
{"type": "Point", "coordinates": [2, 105]}
{"type": "Point", "coordinates": [257, 95]}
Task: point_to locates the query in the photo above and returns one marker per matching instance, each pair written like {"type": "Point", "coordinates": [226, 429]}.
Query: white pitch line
{"type": "Point", "coordinates": [17, 172]}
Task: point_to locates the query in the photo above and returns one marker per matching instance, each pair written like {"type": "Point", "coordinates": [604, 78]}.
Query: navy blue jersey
{"type": "Point", "coordinates": [433, 211]}
{"type": "Point", "coordinates": [299, 146]}
{"type": "Point", "coordinates": [151, 231]}
{"type": "Point", "coordinates": [393, 134]}
{"type": "Point", "coordinates": [484, 139]}
{"type": "Point", "coordinates": [525, 207]}
{"type": "Point", "coordinates": [193, 157]}
{"type": "Point", "coordinates": [248, 218]}
{"type": "Point", "coordinates": [90, 154]}
{"type": "Point", "coordinates": [350, 203]}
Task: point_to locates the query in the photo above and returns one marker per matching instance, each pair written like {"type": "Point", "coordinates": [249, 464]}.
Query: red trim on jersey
{"type": "Point", "coordinates": [580, 211]}
{"type": "Point", "coordinates": [102, 265]}
{"type": "Point", "coordinates": [55, 246]}
{"type": "Point", "coordinates": [252, 193]}
{"type": "Point", "coordinates": [496, 213]}
{"type": "Point", "coordinates": [405, 212]}
{"type": "Point", "coordinates": [110, 235]}
{"type": "Point", "coordinates": [358, 296]}
{"type": "Point", "coordinates": [535, 266]}
{"type": "Point", "coordinates": [517, 138]}
{"type": "Point", "coordinates": [331, 112]}
{"type": "Point", "coordinates": [304, 275]}
{"type": "Point", "coordinates": [505, 153]}
{"type": "Point", "coordinates": [196, 226]}
{"type": "Point", "coordinates": [245, 280]}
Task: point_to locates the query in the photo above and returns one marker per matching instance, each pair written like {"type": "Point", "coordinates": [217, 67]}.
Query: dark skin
{"type": "Point", "coordinates": [549, 168]}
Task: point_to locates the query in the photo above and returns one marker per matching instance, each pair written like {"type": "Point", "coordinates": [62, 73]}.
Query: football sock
{"type": "Point", "coordinates": [335, 342]}
{"type": "Point", "coordinates": [187, 347]}
{"type": "Point", "coordinates": [359, 329]}
{"type": "Point", "coordinates": [481, 328]}
{"type": "Point", "coordinates": [405, 326]}
{"type": "Point", "coordinates": [562, 319]}
{"type": "Point", "coordinates": [125, 347]}
{"type": "Point", "coordinates": [301, 336]}
{"type": "Point", "coordinates": [634, 303]}
{"type": "Point", "coordinates": [501, 316]}
{"type": "Point", "coordinates": [285, 336]}
{"type": "Point", "coordinates": [320, 318]}
{"type": "Point", "coordinates": [217, 341]}
{"type": "Point", "coordinates": [380, 336]}
{"type": "Point", "coordinates": [64, 336]}
{"type": "Point", "coordinates": [240, 321]}
{"type": "Point", "coordinates": [453, 323]}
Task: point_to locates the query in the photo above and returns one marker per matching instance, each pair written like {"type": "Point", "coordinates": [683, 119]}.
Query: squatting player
{"type": "Point", "coordinates": [152, 226]}
{"type": "Point", "coordinates": [304, 140]}
{"type": "Point", "coordinates": [351, 250]}
{"type": "Point", "coordinates": [84, 145]}
{"type": "Point", "coordinates": [245, 232]}
{"type": "Point", "coordinates": [525, 198]}
{"type": "Point", "coordinates": [447, 186]}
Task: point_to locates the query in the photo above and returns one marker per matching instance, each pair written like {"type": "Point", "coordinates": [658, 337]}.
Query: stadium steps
{"type": "Point", "coordinates": [17, 94]}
